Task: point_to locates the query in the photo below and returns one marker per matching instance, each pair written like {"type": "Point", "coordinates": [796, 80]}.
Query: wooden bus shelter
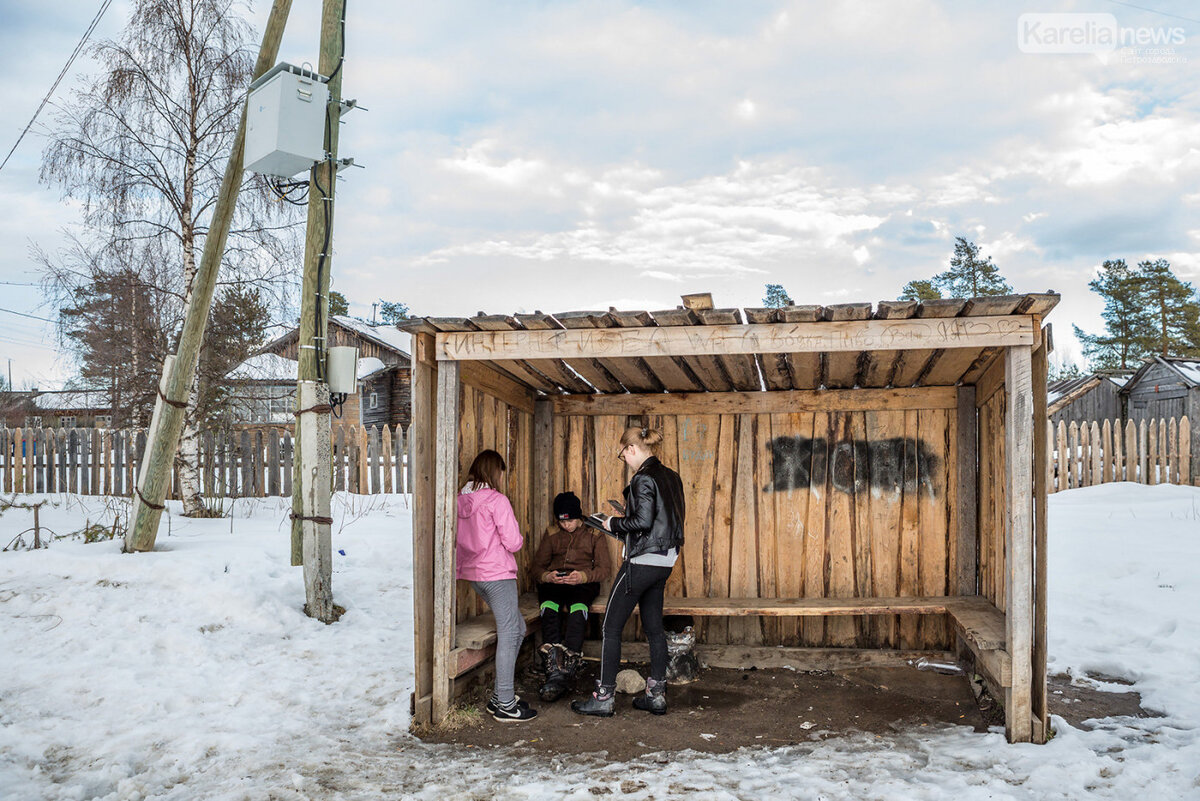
{"type": "Point", "coordinates": [865, 485]}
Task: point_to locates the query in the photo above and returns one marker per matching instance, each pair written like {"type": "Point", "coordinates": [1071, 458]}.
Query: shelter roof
{"type": "Point", "coordinates": [954, 355]}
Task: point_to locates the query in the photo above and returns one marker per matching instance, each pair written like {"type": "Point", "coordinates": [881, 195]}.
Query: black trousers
{"type": "Point", "coordinates": [641, 586]}
{"type": "Point", "coordinates": [564, 612]}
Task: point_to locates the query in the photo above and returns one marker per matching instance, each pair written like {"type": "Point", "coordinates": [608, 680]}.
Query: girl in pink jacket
{"type": "Point", "coordinates": [488, 536]}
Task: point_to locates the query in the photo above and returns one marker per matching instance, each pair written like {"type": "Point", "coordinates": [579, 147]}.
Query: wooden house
{"type": "Point", "coordinates": [1166, 387]}
{"type": "Point", "coordinates": [864, 484]}
{"type": "Point", "coordinates": [267, 381]}
{"type": "Point", "coordinates": [69, 408]}
{"type": "Point", "coordinates": [1089, 397]}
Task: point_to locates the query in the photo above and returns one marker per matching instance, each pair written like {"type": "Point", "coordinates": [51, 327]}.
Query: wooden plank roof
{"type": "Point", "coordinates": [774, 369]}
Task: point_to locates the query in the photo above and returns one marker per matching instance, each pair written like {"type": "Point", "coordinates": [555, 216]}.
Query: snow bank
{"type": "Point", "coordinates": [192, 673]}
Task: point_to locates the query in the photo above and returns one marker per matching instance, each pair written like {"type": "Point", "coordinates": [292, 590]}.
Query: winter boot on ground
{"type": "Point", "coordinates": [654, 700]}
{"type": "Point", "coordinates": [557, 680]}
{"type": "Point", "coordinates": [600, 703]}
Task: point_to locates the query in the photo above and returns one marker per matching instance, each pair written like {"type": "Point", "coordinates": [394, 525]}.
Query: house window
{"type": "Point", "coordinates": [33, 422]}
{"type": "Point", "coordinates": [104, 421]}
{"type": "Point", "coordinates": [67, 421]}
{"type": "Point", "coordinates": [373, 402]}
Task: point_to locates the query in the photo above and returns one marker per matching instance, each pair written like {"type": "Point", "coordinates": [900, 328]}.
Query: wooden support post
{"type": "Point", "coordinates": [318, 242]}
{"type": "Point", "coordinates": [156, 471]}
{"type": "Point", "coordinates": [446, 529]}
{"type": "Point", "coordinates": [1041, 713]}
{"type": "Point", "coordinates": [1019, 444]}
{"type": "Point", "coordinates": [421, 434]}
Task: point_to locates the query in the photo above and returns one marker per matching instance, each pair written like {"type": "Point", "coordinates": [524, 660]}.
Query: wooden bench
{"type": "Point", "coordinates": [977, 621]}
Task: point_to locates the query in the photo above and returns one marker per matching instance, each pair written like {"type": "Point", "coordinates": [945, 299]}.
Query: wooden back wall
{"type": "Point", "coordinates": [828, 504]}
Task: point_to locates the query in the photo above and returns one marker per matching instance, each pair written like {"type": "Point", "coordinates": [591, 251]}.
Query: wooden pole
{"type": "Point", "coordinates": [421, 438]}
{"type": "Point", "coordinates": [318, 252]}
{"type": "Point", "coordinates": [1019, 617]}
{"type": "Point", "coordinates": [446, 532]}
{"type": "Point", "coordinates": [1038, 701]}
{"type": "Point", "coordinates": [178, 373]}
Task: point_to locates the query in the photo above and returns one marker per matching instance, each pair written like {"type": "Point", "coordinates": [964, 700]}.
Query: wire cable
{"type": "Point", "coordinates": [71, 60]}
{"type": "Point", "coordinates": [30, 316]}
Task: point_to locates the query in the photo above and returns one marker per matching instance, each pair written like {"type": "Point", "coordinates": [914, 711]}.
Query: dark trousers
{"type": "Point", "coordinates": [643, 586]}
{"type": "Point", "coordinates": [564, 612]}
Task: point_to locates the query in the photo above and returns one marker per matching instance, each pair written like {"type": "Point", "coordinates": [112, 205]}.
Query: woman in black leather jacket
{"type": "Point", "coordinates": [652, 530]}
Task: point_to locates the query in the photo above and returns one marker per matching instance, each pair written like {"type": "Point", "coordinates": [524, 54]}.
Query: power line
{"type": "Point", "coordinates": [30, 316]}
{"type": "Point", "coordinates": [1152, 11]}
{"type": "Point", "coordinates": [78, 49]}
{"type": "Point", "coordinates": [17, 283]}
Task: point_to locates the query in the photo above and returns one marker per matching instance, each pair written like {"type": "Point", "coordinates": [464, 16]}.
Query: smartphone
{"type": "Point", "coordinates": [562, 572]}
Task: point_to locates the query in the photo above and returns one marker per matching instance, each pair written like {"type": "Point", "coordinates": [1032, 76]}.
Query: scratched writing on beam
{"type": "Point", "coordinates": [895, 464]}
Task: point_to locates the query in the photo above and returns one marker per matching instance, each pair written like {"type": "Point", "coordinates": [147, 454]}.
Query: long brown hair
{"type": "Point", "coordinates": [487, 469]}
{"type": "Point", "coordinates": [648, 438]}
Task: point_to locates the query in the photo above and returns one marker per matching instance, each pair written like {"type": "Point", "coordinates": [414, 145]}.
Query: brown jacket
{"type": "Point", "coordinates": [584, 550]}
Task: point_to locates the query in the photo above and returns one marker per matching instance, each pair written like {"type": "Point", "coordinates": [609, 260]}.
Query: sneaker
{"type": "Point", "coordinates": [493, 704]}
{"type": "Point", "coordinates": [517, 712]}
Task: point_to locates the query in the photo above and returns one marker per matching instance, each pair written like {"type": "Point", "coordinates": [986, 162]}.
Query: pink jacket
{"type": "Point", "coordinates": [488, 535]}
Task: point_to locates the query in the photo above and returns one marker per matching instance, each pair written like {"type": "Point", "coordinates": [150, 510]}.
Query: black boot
{"type": "Point", "coordinates": [655, 699]}
{"type": "Point", "coordinates": [599, 704]}
{"type": "Point", "coordinates": [557, 682]}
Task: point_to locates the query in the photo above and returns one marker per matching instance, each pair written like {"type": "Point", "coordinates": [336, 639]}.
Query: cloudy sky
{"type": "Point", "coordinates": [569, 155]}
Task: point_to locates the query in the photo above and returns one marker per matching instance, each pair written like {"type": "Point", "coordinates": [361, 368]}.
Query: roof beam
{"type": "Point", "coordinates": [850, 335]}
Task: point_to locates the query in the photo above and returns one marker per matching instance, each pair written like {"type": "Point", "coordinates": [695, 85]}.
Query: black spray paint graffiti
{"type": "Point", "coordinates": [887, 465]}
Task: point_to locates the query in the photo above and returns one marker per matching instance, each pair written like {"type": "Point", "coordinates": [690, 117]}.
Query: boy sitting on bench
{"type": "Point", "coordinates": [570, 562]}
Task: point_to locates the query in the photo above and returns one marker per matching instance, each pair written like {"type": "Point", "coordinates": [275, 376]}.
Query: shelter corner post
{"type": "Point", "coordinates": [1019, 531]}
{"type": "Point", "coordinates": [446, 530]}
{"type": "Point", "coordinates": [1041, 458]}
{"type": "Point", "coordinates": [422, 435]}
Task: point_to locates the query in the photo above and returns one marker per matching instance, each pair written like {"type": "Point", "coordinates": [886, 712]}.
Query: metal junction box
{"type": "Point", "coordinates": [285, 121]}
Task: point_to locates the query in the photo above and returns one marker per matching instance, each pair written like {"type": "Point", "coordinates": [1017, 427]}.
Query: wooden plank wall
{"type": "Point", "coordinates": [825, 504]}
{"type": "Point", "coordinates": [992, 499]}
{"type": "Point", "coordinates": [486, 422]}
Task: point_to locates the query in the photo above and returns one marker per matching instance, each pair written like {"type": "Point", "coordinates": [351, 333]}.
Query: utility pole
{"type": "Point", "coordinates": [179, 369]}
{"type": "Point", "coordinates": [311, 486]}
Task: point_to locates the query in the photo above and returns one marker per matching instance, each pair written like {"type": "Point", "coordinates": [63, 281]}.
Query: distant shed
{"type": "Point", "coordinates": [1090, 397]}
{"type": "Point", "coordinates": [1166, 387]}
{"type": "Point", "coordinates": [864, 484]}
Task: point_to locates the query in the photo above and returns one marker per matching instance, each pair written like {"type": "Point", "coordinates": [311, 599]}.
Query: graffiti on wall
{"type": "Point", "coordinates": [889, 464]}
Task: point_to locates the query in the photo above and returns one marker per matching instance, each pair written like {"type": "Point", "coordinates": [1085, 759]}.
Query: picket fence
{"type": "Point", "coordinates": [234, 463]}
{"type": "Point", "coordinates": [1097, 452]}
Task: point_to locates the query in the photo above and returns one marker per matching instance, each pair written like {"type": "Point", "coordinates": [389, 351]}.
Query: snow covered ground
{"type": "Point", "coordinates": [192, 673]}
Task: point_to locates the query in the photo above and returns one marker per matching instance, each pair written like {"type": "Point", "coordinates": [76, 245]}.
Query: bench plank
{"type": "Point", "coordinates": [480, 631]}
{"type": "Point", "coordinates": [798, 607]}
{"type": "Point", "coordinates": [980, 622]}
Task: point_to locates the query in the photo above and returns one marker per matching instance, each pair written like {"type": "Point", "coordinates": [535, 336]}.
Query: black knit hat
{"type": "Point", "coordinates": [566, 507]}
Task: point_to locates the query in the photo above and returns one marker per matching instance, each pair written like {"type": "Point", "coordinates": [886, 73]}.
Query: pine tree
{"type": "Point", "coordinates": [969, 276]}
{"type": "Point", "coordinates": [920, 290]}
{"type": "Point", "coordinates": [338, 305]}
{"type": "Point", "coordinates": [777, 297]}
{"type": "Point", "coordinates": [113, 326]}
{"type": "Point", "coordinates": [392, 312]}
{"type": "Point", "coordinates": [1173, 308]}
{"type": "Point", "coordinates": [1127, 322]}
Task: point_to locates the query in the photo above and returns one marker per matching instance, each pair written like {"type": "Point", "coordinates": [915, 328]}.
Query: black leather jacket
{"type": "Point", "coordinates": [654, 510]}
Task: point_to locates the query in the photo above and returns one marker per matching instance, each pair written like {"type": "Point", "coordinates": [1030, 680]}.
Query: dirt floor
{"type": "Point", "coordinates": [729, 709]}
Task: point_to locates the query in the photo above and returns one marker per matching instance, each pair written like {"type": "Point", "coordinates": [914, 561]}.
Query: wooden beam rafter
{"type": "Point", "coordinates": [840, 337]}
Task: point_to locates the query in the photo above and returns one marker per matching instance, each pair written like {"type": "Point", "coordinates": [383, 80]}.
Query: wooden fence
{"type": "Point", "coordinates": [234, 463]}
{"type": "Point", "coordinates": [1082, 455]}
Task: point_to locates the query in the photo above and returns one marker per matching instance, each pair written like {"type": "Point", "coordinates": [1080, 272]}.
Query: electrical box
{"type": "Point", "coordinates": [341, 368]}
{"type": "Point", "coordinates": [285, 121]}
